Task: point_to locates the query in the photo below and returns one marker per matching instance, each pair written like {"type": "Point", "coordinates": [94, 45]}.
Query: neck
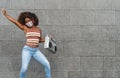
{"type": "Point", "coordinates": [31, 27]}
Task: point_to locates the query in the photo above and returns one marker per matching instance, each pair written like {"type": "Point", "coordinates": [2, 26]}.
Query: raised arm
{"type": "Point", "coordinates": [12, 19]}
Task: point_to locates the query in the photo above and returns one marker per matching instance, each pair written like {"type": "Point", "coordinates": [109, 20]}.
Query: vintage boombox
{"type": "Point", "coordinates": [50, 44]}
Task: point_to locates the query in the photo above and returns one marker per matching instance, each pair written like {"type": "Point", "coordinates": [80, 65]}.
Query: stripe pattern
{"type": "Point", "coordinates": [32, 41]}
{"type": "Point", "coordinates": [32, 34]}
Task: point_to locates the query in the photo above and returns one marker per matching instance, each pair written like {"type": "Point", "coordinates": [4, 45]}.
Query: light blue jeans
{"type": "Point", "coordinates": [29, 52]}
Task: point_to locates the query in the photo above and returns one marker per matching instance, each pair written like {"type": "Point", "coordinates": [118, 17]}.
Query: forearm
{"type": "Point", "coordinates": [10, 18]}
{"type": "Point", "coordinates": [42, 40]}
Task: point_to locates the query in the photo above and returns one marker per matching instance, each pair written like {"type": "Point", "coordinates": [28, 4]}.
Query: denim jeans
{"type": "Point", "coordinates": [29, 52]}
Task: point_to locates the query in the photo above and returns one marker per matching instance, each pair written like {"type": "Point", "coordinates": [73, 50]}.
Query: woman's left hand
{"type": "Point", "coordinates": [51, 36]}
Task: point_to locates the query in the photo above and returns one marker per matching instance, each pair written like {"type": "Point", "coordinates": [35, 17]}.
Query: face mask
{"type": "Point", "coordinates": [29, 24]}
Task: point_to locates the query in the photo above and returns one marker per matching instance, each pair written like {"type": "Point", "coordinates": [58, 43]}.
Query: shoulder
{"type": "Point", "coordinates": [38, 28]}
{"type": "Point", "coordinates": [25, 29]}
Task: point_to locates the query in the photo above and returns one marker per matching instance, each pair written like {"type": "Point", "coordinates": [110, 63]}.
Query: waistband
{"type": "Point", "coordinates": [31, 48]}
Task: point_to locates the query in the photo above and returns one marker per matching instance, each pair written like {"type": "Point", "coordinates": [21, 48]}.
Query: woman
{"type": "Point", "coordinates": [28, 22]}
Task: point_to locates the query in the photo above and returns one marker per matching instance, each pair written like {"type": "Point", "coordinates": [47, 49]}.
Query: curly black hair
{"type": "Point", "coordinates": [30, 15]}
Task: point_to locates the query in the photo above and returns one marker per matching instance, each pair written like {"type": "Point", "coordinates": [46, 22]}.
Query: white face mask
{"type": "Point", "coordinates": [29, 24]}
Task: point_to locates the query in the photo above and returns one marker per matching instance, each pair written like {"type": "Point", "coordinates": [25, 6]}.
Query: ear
{"type": "Point", "coordinates": [33, 21]}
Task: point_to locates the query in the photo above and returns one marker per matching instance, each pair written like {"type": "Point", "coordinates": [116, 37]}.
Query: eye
{"type": "Point", "coordinates": [27, 20]}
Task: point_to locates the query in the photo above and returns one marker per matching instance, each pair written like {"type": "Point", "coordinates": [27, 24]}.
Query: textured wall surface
{"type": "Point", "coordinates": [87, 33]}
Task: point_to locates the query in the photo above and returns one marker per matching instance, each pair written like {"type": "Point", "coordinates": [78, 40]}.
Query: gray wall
{"type": "Point", "coordinates": [87, 33]}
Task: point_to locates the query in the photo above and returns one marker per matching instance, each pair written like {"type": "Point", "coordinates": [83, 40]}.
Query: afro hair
{"type": "Point", "coordinates": [29, 15]}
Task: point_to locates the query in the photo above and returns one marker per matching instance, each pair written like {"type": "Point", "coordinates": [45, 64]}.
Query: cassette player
{"type": "Point", "coordinates": [50, 44]}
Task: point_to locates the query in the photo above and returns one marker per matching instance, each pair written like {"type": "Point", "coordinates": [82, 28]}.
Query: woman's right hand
{"type": "Point", "coordinates": [51, 36]}
{"type": "Point", "coordinates": [3, 11]}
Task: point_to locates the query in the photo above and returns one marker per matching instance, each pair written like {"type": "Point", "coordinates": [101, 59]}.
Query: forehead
{"type": "Point", "coordinates": [27, 19]}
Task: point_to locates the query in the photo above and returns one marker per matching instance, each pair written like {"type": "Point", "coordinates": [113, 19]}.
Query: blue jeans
{"type": "Point", "coordinates": [29, 52]}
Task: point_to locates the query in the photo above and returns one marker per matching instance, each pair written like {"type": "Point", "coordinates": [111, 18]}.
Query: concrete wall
{"type": "Point", "coordinates": [87, 33]}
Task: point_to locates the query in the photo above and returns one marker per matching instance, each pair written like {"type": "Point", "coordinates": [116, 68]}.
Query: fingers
{"type": "Point", "coordinates": [51, 36]}
{"type": "Point", "coordinates": [3, 11]}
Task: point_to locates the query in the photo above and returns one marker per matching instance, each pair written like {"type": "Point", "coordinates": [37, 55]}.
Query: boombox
{"type": "Point", "coordinates": [50, 44]}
